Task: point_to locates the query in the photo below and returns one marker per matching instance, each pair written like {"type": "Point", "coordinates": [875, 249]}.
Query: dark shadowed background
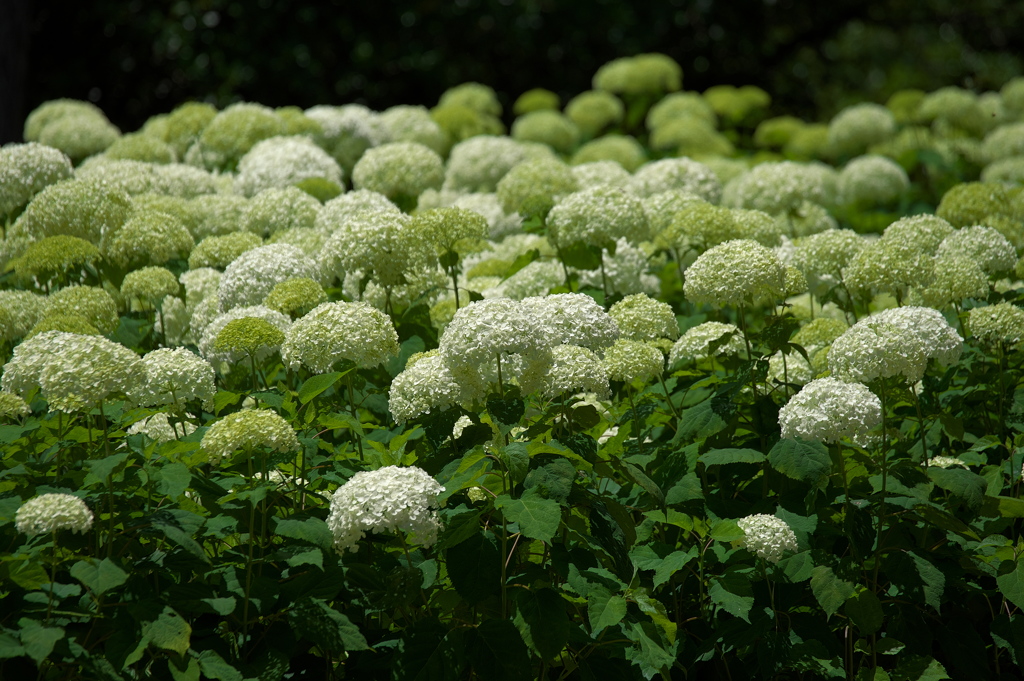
{"type": "Point", "coordinates": [139, 58]}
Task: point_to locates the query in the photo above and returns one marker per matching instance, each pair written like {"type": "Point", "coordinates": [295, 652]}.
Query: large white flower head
{"type": "Point", "coordinates": [599, 173]}
{"type": "Point", "coordinates": [211, 330]}
{"type": "Point", "coordinates": [872, 181]}
{"type": "Point", "coordinates": [642, 318]}
{"type": "Point", "coordinates": [738, 272]}
{"type": "Point", "coordinates": [284, 161]}
{"type": "Point", "coordinates": [536, 279]}
{"type": "Point", "coordinates": [925, 232]}
{"type": "Point", "coordinates": [782, 187]}
{"type": "Point", "coordinates": [956, 277]}
{"type": "Point", "coordinates": [478, 163]}
{"type": "Point", "coordinates": [381, 243]}
{"type": "Point", "coordinates": [768, 537]}
{"type": "Point", "coordinates": [399, 170]}
{"type": "Point", "coordinates": [423, 386]}
{"type": "Point", "coordinates": [331, 332]}
{"type": "Point", "coordinates": [598, 216]}
{"type": "Point", "coordinates": [277, 209]}
{"type": "Point", "coordinates": [828, 410]}
{"type": "Point", "coordinates": [857, 127]}
{"type": "Point", "coordinates": [887, 266]}
{"type": "Point", "coordinates": [158, 427]}
{"type": "Point", "coordinates": [485, 330]}
{"type": "Point", "coordinates": [27, 169]}
{"type": "Point", "coordinates": [414, 124]}
{"type": "Point", "coordinates": [575, 369]}
{"type": "Point", "coordinates": [677, 173]}
{"type": "Point", "coordinates": [822, 256]}
{"type": "Point", "coordinates": [990, 249]}
{"type": "Point", "coordinates": [249, 279]}
{"type": "Point", "coordinates": [1002, 323]}
{"type": "Point", "coordinates": [710, 339]}
{"type": "Point", "coordinates": [630, 360]}
{"type": "Point", "coordinates": [938, 339]}
{"type": "Point", "coordinates": [51, 512]}
{"type": "Point", "coordinates": [573, 319]}
{"type": "Point", "coordinates": [174, 377]}
{"type": "Point", "coordinates": [19, 312]}
{"type": "Point", "coordinates": [248, 429]}
{"type": "Point", "coordinates": [390, 499]}
{"type": "Point", "coordinates": [349, 131]}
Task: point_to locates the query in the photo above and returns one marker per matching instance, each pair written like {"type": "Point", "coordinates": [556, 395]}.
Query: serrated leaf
{"type": "Point", "coordinates": [703, 420]}
{"type": "Point", "coordinates": [1003, 507]}
{"type": "Point", "coordinates": [310, 557]}
{"type": "Point", "coordinates": [314, 620]}
{"type": "Point", "coordinates": [686, 488]}
{"type": "Point", "coordinates": [101, 469]}
{"type": "Point", "coordinates": [224, 399]}
{"type": "Point", "coordinates": [963, 483]}
{"type": "Point", "coordinates": [552, 480]}
{"type": "Point", "coordinates": [830, 591]}
{"type": "Point", "coordinates": [797, 567]}
{"type": "Point", "coordinates": [315, 385]}
{"type": "Point", "coordinates": [172, 479]}
{"type": "Point", "coordinates": [189, 669]}
{"type": "Point", "coordinates": [542, 621]}
{"type": "Point", "coordinates": [801, 460]}
{"type": "Point", "coordinates": [1011, 585]}
{"type": "Point", "coordinates": [98, 576]}
{"type": "Point", "coordinates": [37, 640]}
{"type": "Point", "coordinates": [538, 518]}
{"type": "Point", "coordinates": [919, 668]}
{"type": "Point", "coordinates": [648, 557]}
{"type": "Point", "coordinates": [865, 610]}
{"type": "Point", "coordinates": [733, 592]}
{"type": "Point", "coordinates": [721, 457]}
{"type": "Point", "coordinates": [516, 459]}
{"type": "Point", "coordinates": [604, 609]}
{"type": "Point", "coordinates": [214, 666]}
{"type": "Point", "coordinates": [647, 651]}
{"type": "Point", "coordinates": [311, 530]}
{"type": "Point", "coordinates": [726, 531]}
{"type": "Point", "coordinates": [168, 632]}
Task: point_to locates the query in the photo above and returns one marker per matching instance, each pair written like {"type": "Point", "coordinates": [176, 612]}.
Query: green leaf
{"type": "Point", "coordinates": [222, 606]}
{"type": "Point", "coordinates": [1011, 585]}
{"type": "Point", "coordinates": [647, 557]}
{"type": "Point", "coordinates": [313, 619]}
{"type": "Point", "coordinates": [458, 528]}
{"type": "Point", "coordinates": [314, 385]}
{"type": "Point", "coordinates": [311, 530]}
{"type": "Point", "coordinates": [9, 647]}
{"type": "Point", "coordinates": [726, 531]}
{"type": "Point", "coordinates": [1003, 507]}
{"type": "Point", "coordinates": [797, 567]}
{"type": "Point", "coordinates": [542, 621]}
{"type": "Point", "coordinates": [872, 674]}
{"type": "Point", "coordinates": [604, 609]}
{"type": "Point", "coordinates": [720, 457]}
{"type": "Point", "coordinates": [703, 420]}
{"type": "Point", "coordinates": [830, 590]}
{"type": "Point", "coordinates": [801, 460]}
{"type": "Point", "coordinates": [919, 668]}
{"type": "Point", "coordinates": [214, 666]}
{"type": "Point", "coordinates": [506, 410]}
{"type": "Point", "coordinates": [396, 365]}
{"type": "Point", "coordinates": [647, 651]}
{"type": "Point", "coordinates": [172, 479]}
{"type": "Point", "coordinates": [497, 652]}
{"type": "Point", "coordinates": [733, 592]}
{"type": "Point", "coordinates": [515, 458]}
{"type": "Point", "coordinates": [538, 518]}
{"type": "Point", "coordinates": [946, 521]}
{"type": "Point", "coordinates": [686, 488]}
{"type": "Point", "coordinates": [582, 256]}
{"type": "Point", "coordinates": [168, 632]}
{"type": "Point", "coordinates": [865, 610]}
{"type": "Point", "coordinates": [187, 671]}
{"type": "Point", "coordinates": [963, 483]}
{"type": "Point", "coordinates": [642, 479]}
{"type": "Point", "coordinates": [27, 573]}
{"type": "Point", "coordinates": [101, 469]}
{"type": "Point", "coordinates": [37, 640]}
{"type": "Point", "coordinates": [99, 576]}
{"type": "Point", "coordinates": [521, 261]}
{"type": "Point", "coordinates": [224, 399]}
{"type": "Point", "coordinates": [474, 566]}
{"type": "Point", "coordinates": [310, 557]}
{"type": "Point", "coordinates": [552, 480]}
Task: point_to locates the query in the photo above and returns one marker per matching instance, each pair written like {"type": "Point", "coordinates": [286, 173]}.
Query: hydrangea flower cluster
{"type": "Point", "coordinates": [696, 343]}
{"type": "Point", "coordinates": [284, 161]}
{"type": "Point", "coordinates": [575, 369]}
{"type": "Point", "coordinates": [642, 318]}
{"type": "Point", "coordinates": [174, 377]}
{"type": "Point", "coordinates": [425, 385]}
{"type": "Point", "coordinates": [598, 216]}
{"type": "Point", "coordinates": [574, 319]}
{"type": "Point", "coordinates": [828, 410]}
{"type": "Point", "coordinates": [389, 499]}
{"type": "Point", "coordinates": [247, 430]}
{"type": "Point", "coordinates": [768, 537]}
{"type": "Point", "coordinates": [399, 170]}
{"type": "Point", "coordinates": [51, 512]}
{"type": "Point", "coordinates": [27, 169]}
{"type": "Point", "coordinates": [633, 361]}
{"type": "Point", "coordinates": [331, 332]}
{"type": "Point", "coordinates": [380, 243]}
{"type": "Point", "coordinates": [1002, 323]}
{"type": "Point", "coordinates": [738, 272]}
{"type": "Point", "coordinates": [159, 428]}
{"type": "Point", "coordinates": [251, 276]}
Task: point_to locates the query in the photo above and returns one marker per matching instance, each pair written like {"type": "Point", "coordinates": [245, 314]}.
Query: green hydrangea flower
{"type": "Point", "coordinates": [220, 251]}
{"type": "Point", "coordinates": [340, 331]}
{"type": "Point", "coordinates": [91, 302]}
{"type": "Point", "coordinates": [595, 111]}
{"type": "Point", "coordinates": [55, 259]}
{"type": "Point", "coordinates": [622, 149]}
{"type": "Point", "coordinates": [547, 127]}
{"type": "Point", "coordinates": [400, 171]}
{"type": "Point", "coordinates": [295, 297]}
{"type": "Point", "coordinates": [27, 169]}
{"type": "Point", "coordinates": [149, 237]}
{"type": "Point", "coordinates": [141, 147]}
{"type": "Point", "coordinates": [150, 285]}
{"type": "Point", "coordinates": [248, 430]}
{"type": "Point", "coordinates": [534, 187]}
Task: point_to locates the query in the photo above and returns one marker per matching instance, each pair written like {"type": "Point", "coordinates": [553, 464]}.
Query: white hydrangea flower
{"type": "Point", "coordinates": [575, 369]}
{"type": "Point", "coordinates": [625, 273]}
{"type": "Point", "coordinates": [945, 462]}
{"type": "Point", "coordinates": [536, 279]}
{"type": "Point", "coordinates": [210, 331]}
{"type": "Point", "coordinates": [253, 275]}
{"type": "Point", "coordinates": [174, 377]}
{"type": "Point", "coordinates": [19, 312]}
{"type": "Point", "coordinates": [642, 318]}
{"type": "Point", "coordinates": [573, 319]}
{"type": "Point", "coordinates": [782, 187]}
{"type": "Point", "coordinates": [695, 344]}
{"type": "Point", "coordinates": [872, 181]}
{"type": "Point", "coordinates": [598, 216]}
{"type": "Point", "coordinates": [768, 537]}
{"type": "Point", "coordinates": [51, 512]}
{"type": "Point", "coordinates": [399, 169]}
{"type": "Point", "coordinates": [390, 499]}
{"type": "Point", "coordinates": [995, 324]}
{"type": "Point", "coordinates": [990, 249]}
{"type": "Point", "coordinates": [939, 340]}
{"type": "Point", "coordinates": [630, 360]}
{"type": "Point", "coordinates": [248, 429]}
{"type": "Point", "coordinates": [284, 161]}
{"type": "Point", "coordinates": [677, 173]}
{"type": "Point", "coordinates": [484, 330]}
{"type": "Point", "coordinates": [598, 173]}
{"type": "Point", "coordinates": [738, 272]}
{"type": "Point", "coordinates": [380, 243]}
{"type": "Point", "coordinates": [334, 331]}
{"type": "Point", "coordinates": [422, 387]}
{"type": "Point", "coordinates": [828, 410]}
{"type": "Point", "coordinates": [12, 405]}
{"type": "Point", "coordinates": [158, 427]}
{"type": "Point", "coordinates": [478, 163]}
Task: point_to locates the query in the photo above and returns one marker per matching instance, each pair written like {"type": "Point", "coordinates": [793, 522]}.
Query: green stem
{"type": "Point", "coordinates": [885, 477]}
{"type": "Point", "coordinates": [355, 413]}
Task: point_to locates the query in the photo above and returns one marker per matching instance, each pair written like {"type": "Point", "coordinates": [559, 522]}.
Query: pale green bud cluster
{"type": "Point", "coordinates": [220, 251]}
{"type": "Point", "coordinates": [622, 149]}
{"type": "Point", "coordinates": [278, 209]}
{"type": "Point", "coordinates": [677, 174]}
{"type": "Point", "coordinates": [857, 127]}
{"type": "Point", "coordinates": [90, 302]}
{"type": "Point", "coordinates": [594, 111]}
{"type": "Point", "coordinates": [632, 361]}
{"type": "Point", "coordinates": [1002, 323]}
{"type": "Point", "coordinates": [295, 297]}
{"type": "Point", "coordinates": [248, 430]}
{"type": "Point", "coordinates": [150, 285]}
{"type": "Point", "coordinates": [739, 272]}
{"type": "Point", "coordinates": [642, 318]}
{"type": "Point", "coordinates": [547, 127]}
{"type": "Point", "coordinates": [27, 169]}
{"type": "Point", "coordinates": [575, 369]}
{"type": "Point", "coordinates": [231, 134]}
{"type": "Point", "coordinates": [399, 170]}
{"type": "Point", "coordinates": [414, 124]}
{"type": "Point", "coordinates": [149, 237]}
{"type": "Point", "coordinates": [332, 332]}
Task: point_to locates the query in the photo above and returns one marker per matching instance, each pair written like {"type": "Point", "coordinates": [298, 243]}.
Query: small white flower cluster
{"type": "Point", "coordinates": [334, 331]}
{"type": "Point", "coordinates": [282, 162]}
{"type": "Point", "coordinates": [782, 187]}
{"type": "Point", "coordinates": [575, 369]}
{"type": "Point", "coordinates": [174, 377]}
{"type": "Point", "coordinates": [478, 163]}
{"type": "Point", "coordinates": [249, 279]}
{"type": "Point", "coordinates": [828, 410]}
{"type": "Point", "coordinates": [248, 429]}
{"type": "Point", "coordinates": [426, 384]}
{"type": "Point", "coordinates": [1002, 323]}
{"type": "Point", "coordinates": [159, 428]}
{"type": "Point", "coordinates": [27, 169]}
{"type": "Point", "coordinates": [379, 243]}
{"type": "Point", "coordinates": [768, 537]}
{"type": "Point", "coordinates": [990, 249]}
{"type": "Point", "coordinates": [51, 512]}
{"type": "Point", "coordinates": [642, 318]}
{"type": "Point", "coordinates": [695, 344]}
{"type": "Point", "coordinates": [677, 174]}
{"type": "Point", "coordinates": [390, 499]}
{"type": "Point", "coordinates": [598, 216]}
{"type": "Point", "coordinates": [738, 272]}
{"type": "Point", "coordinates": [868, 181]}
{"type": "Point", "coordinates": [574, 319]}
{"type": "Point", "coordinates": [630, 360]}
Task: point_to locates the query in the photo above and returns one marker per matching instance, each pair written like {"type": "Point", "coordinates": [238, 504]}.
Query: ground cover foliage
{"type": "Point", "coordinates": [651, 386]}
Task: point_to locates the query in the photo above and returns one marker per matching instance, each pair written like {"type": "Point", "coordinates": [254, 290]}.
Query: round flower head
{"type": "Point", "coordinates": [150, 285]}
{"type": "Point", "coordinates": [1004, 142]}
{"type": "Point", "coordinates": [450, 229]}
{"type": "Point", "coordinates": [475, 96]}
{"type": "Point", "coordinates": [12, 406]}
{"type": "Point", "coordinates": [768, 537]}
{"type": "Point", "coordinates": [180, 180]}
{"type": "Point", "coordinates": [822, 256]}
{"type": "Point", "coordinates": [232, 133]}
{"type": "Point", "coordinates": [970, 203]}
{"type": "Point", "coordinates": [677, 173]}
{"type": "Point", "coordinates": [336, 211]}
{"type": "Point", "coordinates": [19, 312]}
{"type": "Point", "coordinates": [939, 340]}
{"type": "Point", "coordinates": [158, 427]}
{"type": "Point", "coordinates": [282, 162]}
{"type": "Point", "coordinates": [782, 187]}
{"type": "Point", "coordinates": [200, 284]}
{"type": "Point", "coordinates": [622, 149]}
{"type": "Point", "coordinates": [598, 173]}
{"type": "Point", "coordinates": [625, 273]}
{"type": "Point", "coordinates": [149, 237]}
{"type": "Point", "coordinates": [868, 181]}
{"type": "Point", "coordinates": [88, 210]}
{"type": "Point", "coordinates": [247, 430]}
{"type": "Point", "coordinates": [537, 99]}
{"type": "Point", "coordinates": [573, 319]}
{"type": "Point", "coordinates": [248, 336]}
{"type": "Point", "coordinates": [986, 246]}
{"type": "Point", "coordinates": [828, 410]}
{"type": "Point", "coordinates": [380, 244]}
{"type": "Point", "coordinates": [739, 272]}
{"type": "Point", "coordinates": [598, 216]}
{"type": "Point", "coordinates": [210, 332]}
{"type": "Point", "coordinates": [217, 214]}
{"type": "Point", "coordinates": [699, 225]}
{"type": "Point", "coordinates": [70, 323]}
{"type": "Point", "coordinates": [400, 170]}
{"type": "Point", "coordinates": [536, 279]}
{"type": "Point", "coordinates": [249, 279]}
{"type": "Point", "coordinates": [174, 378]}
{"type": "Point", "coordinates": [331, 332]}
{"type": "Point", "coordinates": [280, 208]}
{"type": "Point", "coordinates": [956, 277]}
{"type": "Point", "coordinates": [690, 136]}
{"type": "Point", "coordinates": [680, 104]}
{"type": "Point", "coordinates": [83, 371]}
{"type": "Point", "coordinates": [348, 131]}
{"type": "Point", "coordinates": [422, 387]}
{"type": "Point", "coordinates": [710, 339]}
{"type": "Point", "coordinates": [500, 224]}
{"type": "Point", "coordinates": [594, 110]}
{"type": "Point", "coordinates": [140, 147]}
{"type": "Point", "coordinates": [547, 127]}
{"type": "Point", "coordinates": [630, 360]}
{"type": "Point", "coordinates": [414, 124]}
{"type": "Point", "coordinates": [27, 169]}
{"type": "Point", "coordinates": [776, 132]}
{"type": "Point", "coordinates": [295, 297]}
{"type": "Point", "coordinates": [642, 318]}
{"type": "Point", "coordinates": [737, 104]}
{"type": "Point", "coordinates": [1002, 323]}
{"type": "Point", "coordinates": [80, 136]}
{"type": "Point", "coordinates": [486, 330]}
{"type": "Point", "coordinates": [887, 266]}
{"type": "Point", "coordinates": [55, 259]}
{"type": "Point", "coordinates": [661, 210]}
{"type": "Point", "coordinates": [53, 110]}
{"type": "Point", "coordinates": [390, 499]}
{"type": "Point", "coordinates": [91, 302]}
{"type": "Point", "coordinates": [478, 163]}
{"type": "Point", "coordinates": [575, 369]}
{"type": "Point", "coordinates": [220, 251]}
{"type": "Point", "coordinates": [641, 74]}
{"type": "Point", "coordinates": [51, 512]}
{"type": "Point", "coordinates": [818, 332]}
{"type": "Point", "coordinates": [533, 187]}
{"type": "Point", "coordinates": [856, 128]}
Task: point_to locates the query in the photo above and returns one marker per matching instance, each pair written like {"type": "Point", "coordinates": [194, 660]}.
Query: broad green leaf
{"type": "Point", "coordinates": [99, 576]}
{"type": "Point", "coordinates": [658, 613]}
{"type": "Point", "coordinates": [721, 457]}
{"type": "Point", "coordinates": [946, 521]}
{"type": "Point", "coordinates": [172, 479]}
{"type": "Point", "coordinates": [27, 572]}
{"type": "Point", "coordinates": [865, 610]}
{"type": "Point", "coordinates": [224, 399]}
{"type": "Point", "coordinates": [222, 606]}
{"type": "Point", "coordinates": [37, 640]}
{"type": "Point", "coordinates": [919, 668]}
{"type": "Point", "coordinates": [311, 530]}
{"type": "Point", "coordinates": [169, 632]}
{"type": "Point", "coordinates": [310, 557]}
{"type": "Point", "coordinates": [647, 651]}
{"type": "Point", "coordinates": [733, 592]}
{"type": "Point", "coordinates": [10, 647]}
{"type": "Point", "coordinates": [516, 459]}
{"type": "Point", "coordinates": [187, 671]}
{"type": "Point", "coordinates": [538, 518]}
{"type": "Point", "coordinates": [315, 385]}
{"type": "Point", "coordinates": [727, 531]}
{"type": "Point", "coordinates": [932, 578]}
{"type": "Point", "coordinates": [582, 256]}
{"type": "Point", "coordinates": [646, 483]}
{"type": "Point", "coordinates": [458, 528]}
{"type": "Point", "coordinates": [686, 488]}
{"type": "Point", "coordinates": [542, 621]}
{"type": "Point", "coordinates": [552, 480]}
{"type": "Point", "coordinates": [101, 469]}
{"type": "Point", "coordinates": [1003, 507]}
{"type": "Point", "coordinates": [429, 651]}
{"type": "Point", "coordinates": [1011, 585]}
{"type": "Point", "coordinates": [963, 483]}
{"type": "Point", "coordinates": [664, 562]}
{"type": "Point", "coordinates": [214, 666]}
{"type": "Point", "coordinates": [801, 460]}
{"type": "Point", "coordinates": [314, 620]}
{"type": "Point", "coordinates": [703, 420]}
{"type": "Point", "coordinates": [497, 652]}
{"type": "Point", "coordinates": [797, 567]}
{"type": "Point", "coordinates": [604, 609]}
{"type": "Point", "coordinates": [872, 674]}
{"type": "Point", "coordinates": [521, 261]}
{"type": "Point", "coordinates": [830, 590]}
